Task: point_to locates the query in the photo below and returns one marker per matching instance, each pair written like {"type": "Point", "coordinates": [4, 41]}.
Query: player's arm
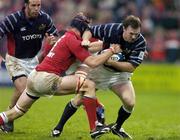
{"type": "Point", "coordinates": [94, 61]}
{"type": "Point", "coordinates": [121, 66]}
{"type": "Point", "coordinates": [135, 59]}
{"type": "Point", "coordinates": [95, 46]}
{"type": "Point", "coordinates": [86, 37]}
{"type": "Point", "coordinates": [7, 25]}
{"type": "Point", "coordinates": [47, 46]}
{"type": "Point", "coordinates": [51, 29]}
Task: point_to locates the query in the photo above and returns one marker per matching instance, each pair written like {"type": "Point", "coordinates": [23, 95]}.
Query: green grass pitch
{"type": "Point", "coordinates": [156, 115]}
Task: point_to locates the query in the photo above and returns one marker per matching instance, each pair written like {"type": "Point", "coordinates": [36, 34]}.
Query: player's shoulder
{"type": "Point", "coordinates": [44, 15]}
{"type": "Point", "coordinates": [71, 35]}
{"type": "Point", "coordinates": [141, 38]}
{"type": "Point", "coordinates": [15, 15]}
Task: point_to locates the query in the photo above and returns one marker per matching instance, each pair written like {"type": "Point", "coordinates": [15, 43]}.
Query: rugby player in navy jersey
{"type": "Point", "coordinates": [48, 77]}
{"type": "Point", "coordinates": [115, 75]}
{"type": "Point", "coordinates": [25, 30]}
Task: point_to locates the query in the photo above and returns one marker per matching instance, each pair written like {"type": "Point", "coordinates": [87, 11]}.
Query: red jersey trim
{"type": "Point", "coordinates": [11, 44]}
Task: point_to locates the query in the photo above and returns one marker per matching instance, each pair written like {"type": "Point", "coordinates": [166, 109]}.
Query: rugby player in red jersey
{"type": "Point", "coordinates": [48, 77]}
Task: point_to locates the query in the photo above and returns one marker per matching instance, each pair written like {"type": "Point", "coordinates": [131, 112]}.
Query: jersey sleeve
{"type": "Point", "coordinates": [7, 25]}
{"type": "Point", "coordinates": [137, 54]}
{"type": "Point", "coordinates": [79, 51]}
{"type": "Point", "coordinates": [51, 29]}
{"type": "Point", "coordinates": [106, 32]}
{"type": "Point", "coordinates": [97, 31]}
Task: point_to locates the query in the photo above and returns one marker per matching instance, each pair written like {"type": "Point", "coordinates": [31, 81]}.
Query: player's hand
{"type": "Point", "coordinates": [51, 39]}
{"type": "Point", "coordinates": [146, 54]}
{"type": "Point", "coordinates": [116, 48]}
{"type": "Point", "coordinates": [108, 62]}
{"type": "Point", "coordinates": [85, 43]}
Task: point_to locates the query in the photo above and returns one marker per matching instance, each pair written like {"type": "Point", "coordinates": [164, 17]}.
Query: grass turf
{"type": "Point", "coordinates": [156, 117]}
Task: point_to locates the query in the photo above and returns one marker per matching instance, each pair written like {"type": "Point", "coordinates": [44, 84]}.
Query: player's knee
{"type": "Point", "coordinates": [91, 85]}
{"type": "Point", "coordinates": [129, 105]}
{"type": "Point", "coordinates": [76, 102]}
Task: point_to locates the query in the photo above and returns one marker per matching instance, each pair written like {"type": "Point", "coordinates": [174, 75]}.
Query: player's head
{"type": "Point", "coordinates": [80, 22]}
{"type": "Point", "coordinates": [131, 28]}
{"type": "Point", "coordinates": [32, 8]}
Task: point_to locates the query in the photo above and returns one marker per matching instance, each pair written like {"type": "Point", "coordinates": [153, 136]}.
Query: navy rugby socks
{"type": "Point", "coordinates": [122, 116]}
{"type": "Point", "coordinates": [68, 112]}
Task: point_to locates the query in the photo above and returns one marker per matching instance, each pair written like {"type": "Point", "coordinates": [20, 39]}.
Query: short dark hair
{"type": "Point", "coordinates": [132, 21]}
{"type": "Point", "coordinates": [80, 22]}
{"type": "Point", "coordinates": [26, 1]}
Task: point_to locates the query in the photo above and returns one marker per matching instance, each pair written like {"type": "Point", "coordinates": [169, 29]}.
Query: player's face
{"type": "Point", "coordinates": [33, 8]}
{"type": "Point", "coordinates": [130, 34]}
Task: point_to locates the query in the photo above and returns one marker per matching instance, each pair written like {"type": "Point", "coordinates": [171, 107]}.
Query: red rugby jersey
{"type": "Point", "coordinates": [66, 50]}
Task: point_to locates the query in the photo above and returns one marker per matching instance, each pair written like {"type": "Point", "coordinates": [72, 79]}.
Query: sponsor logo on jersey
{"type": "Point", "coordinates": [32, 37]}
{"type": "Point", "coordinates": [42, 27]}
{"type": "Point", "coordinates": [23, 29]}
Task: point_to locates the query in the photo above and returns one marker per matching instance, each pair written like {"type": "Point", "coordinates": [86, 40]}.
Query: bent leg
{"type": "Point", "coordinates": [20, 85]}
{"type": "Point", "coordinates": [126, 93]}
{"type": "Point", "coordinates": [68, 85]}
{"type": "Point", "coordinates": [22, 106]}
{"type": "Point", "coordinates": [69, 110]}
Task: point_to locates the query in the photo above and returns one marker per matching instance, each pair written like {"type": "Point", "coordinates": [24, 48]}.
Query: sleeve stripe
{"type": "Point", "coordinates": [5, 26]}
{"type": "Point", "coordinates": [2, 30]}
{"type": "Point", "coordinates": [105, 30]}
{"type": "Point", "coordinates": [99, 31]}
{"type": "Point", "coordinates": [14, 17]}
{"type": "Point", "coordinates": [19, 13]}
{"type": "Point", "coordinates": [10, 23]}
{"type": "Point", "coordinates": [140, 43]}
{"type": "Point", "coordinates": [118, 26]}
{"type": "Point", "coordinates": [40, 13]}
{"type": "Point", "coordinates": [50, 24]}
{"type": "Point", "coordinates": [110, 31]}
{"type": "Point", "coordinates": [134, 57]}
{"type": "Point", "coordinates": [133, 61]}
{"type": "Point", "coordinates": [50, 28]}
{"type": "Point", "coordinates": [95, 30]}
{"type": "Point", "coordinates": [54, 31]}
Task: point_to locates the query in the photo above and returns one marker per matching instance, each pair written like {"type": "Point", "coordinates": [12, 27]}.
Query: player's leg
{"type": "Point", "coordinates": [69, 110]}
{"type": "Point", "coordinates": [100, 112]}
{"type": "Point", "coordinates": [23, 104]}
{"type": "Point", "coordinates": [70, 83]}
{"type": "Point", "coordinates": [16, 70]}
{"type": "Point", "coordinates": [20, 84]}
{"type": "Point", "coordinates": [126, 93]}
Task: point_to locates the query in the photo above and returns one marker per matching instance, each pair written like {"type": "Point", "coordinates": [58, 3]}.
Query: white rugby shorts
{"type": "Point", "coordinates": [105, 78]}
{"type": "Point", "coordinates": [40, 83]}
{"type": "Point", "coordinates": [17, 67]}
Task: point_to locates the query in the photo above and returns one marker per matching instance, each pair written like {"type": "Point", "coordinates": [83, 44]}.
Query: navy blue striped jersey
{"type": "Point", "coordinates": [112, 33]}
{"type": "Point", "coordinates": [24, 36]}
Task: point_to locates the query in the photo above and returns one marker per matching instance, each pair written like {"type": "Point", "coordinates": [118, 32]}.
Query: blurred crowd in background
{"type": "Point", "coordinates": [160, 20]}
